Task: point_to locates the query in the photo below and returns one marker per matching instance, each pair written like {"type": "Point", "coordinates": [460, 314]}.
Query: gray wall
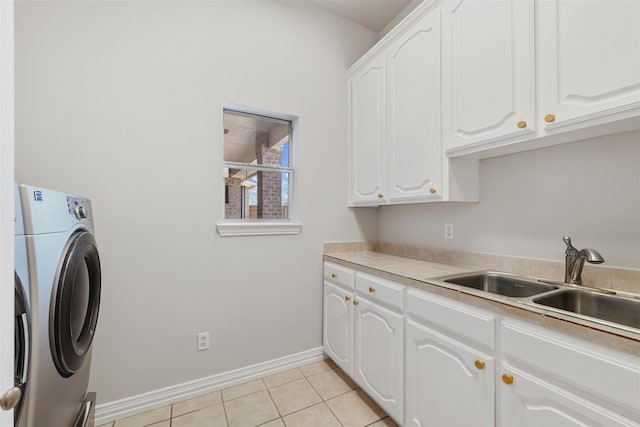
{"type": "Point", "coordinates": [587, 189]}
{"type": "Point", "coordinates": [122, 102]}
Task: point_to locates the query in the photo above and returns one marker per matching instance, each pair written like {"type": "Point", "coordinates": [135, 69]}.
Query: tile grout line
{"type": "Point", "coordinates": [274, 403]}
{"type": "Point", "coordinates": [224, 410]}
{"type": "Point", "coordinates": [334, 414]}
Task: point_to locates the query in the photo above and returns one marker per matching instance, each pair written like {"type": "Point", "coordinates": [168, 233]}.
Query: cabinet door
{"type": "Point", "coordinates": [368, 134]}
{"type": "Point", "coordinates": [379, 356]}
{"type": "Point", "coordinates": [337, 330]}
{"type": "Point", "coordinates": [529, 401]}
{"type": "Point", "coordinates": [447, 382]}
{"type": "Point", "coordinates": [589, 59]}
{"type": "Point", "coordinates": [414, 120]}
{"type": "Point", "coordinates": [488, 73]}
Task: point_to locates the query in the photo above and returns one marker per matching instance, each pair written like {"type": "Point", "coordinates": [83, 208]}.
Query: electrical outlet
{"type": "Point", "coordinates": [448, 230]}
{"type": "Point", "coordinates": [203, 341]}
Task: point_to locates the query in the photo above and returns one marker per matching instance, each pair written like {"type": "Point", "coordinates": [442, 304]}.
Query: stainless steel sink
{"type": "Point", "coordinates": [616, 309]}
{"type": "Point", "coordinates": [500, 283]}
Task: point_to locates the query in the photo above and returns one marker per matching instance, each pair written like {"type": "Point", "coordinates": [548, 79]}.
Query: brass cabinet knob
{"type": "Point", "coordinates": [334, 275]}
{"type": "Point", "coordinates": [372, 290]}
{"type": "Point", "coordinates": [507, 379]}
{"type": "Point", "coordinates": [380, 196]}
{"type": "Point", "coordinates": [522, 124]}
{"type": "Point", "coordinates": [550, 118]}
{"type": "Point", "coordinates": [356, 302]}
{"type": "Point", "coordinates": [479, 364]}
{"type": "Point", "coordinates": [433, 190]}
{"type": "Point", "coordinates": [347, 298]}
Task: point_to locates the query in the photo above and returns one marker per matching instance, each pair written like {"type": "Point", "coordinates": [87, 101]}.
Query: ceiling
{"type": "Point", "coordinates": [372, 14]}
{"type": "Point", "coordinates": [239, 138]}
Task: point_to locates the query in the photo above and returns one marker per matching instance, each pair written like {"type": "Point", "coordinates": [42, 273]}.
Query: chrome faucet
{"type": "Point", "coordinates": [574, 261]}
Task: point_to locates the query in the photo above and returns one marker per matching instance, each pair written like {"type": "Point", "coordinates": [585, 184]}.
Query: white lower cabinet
{"type": "Point", "coordinates": [548, 378]}
{"type": "Point", "coordinates": [429, 360]}
{"type": "Point", "coordinates": [337, 333]}
{"type": "Point", "coordinates": [365, 336]}
{"type": "Point", "coordinates": [449, 362]}
{"type": "Point", "coordinates": [447, 383]}
{"type": "Point", "coordinates": [531, 402]}
{"type": "Point", "coordinates": [337, 319]}
{"type": "Point", "coordinates": [378, 359]}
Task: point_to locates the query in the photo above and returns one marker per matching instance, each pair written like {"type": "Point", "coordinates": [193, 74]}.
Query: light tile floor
{"type": "Point", "coordinates": [314, 395]}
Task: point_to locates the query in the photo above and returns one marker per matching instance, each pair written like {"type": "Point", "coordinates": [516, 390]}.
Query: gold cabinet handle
{"type": "Point", "coordinates": [550, 118]}
{"type": "Point", "coordinates": [372, 290]}
{"type": "Point", "coordinates": [356, 302]}
{"type": "Point", "coordinates": [347, 298]}
{"type": "Point", "coordinates": [507, 379]}
{"type": "Point", "coordinates": [433, 190]}
{"type": "Point", "coordinates": [334, 275]}
{"type": "Point", "coordinates": [522, 124]}
{"type": "Point", "coordinates": [380, 196]}
{"type": "Point", "coordinates": [479, 364]}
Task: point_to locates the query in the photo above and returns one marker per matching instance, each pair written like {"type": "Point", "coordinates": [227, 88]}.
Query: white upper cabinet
{"type": "Point", "coordinates": [368, 133]}
{"type": "Point", "coordinates": [461, 80]}
{"type": "Point", "coordinates": [488, 77]}
{"type": "Point", "coordinates": [589, 60]}
{"type": "Point", "coordinates": [395, 101]}
{"type": "Point", "coordinates": [586, 64]}
{"type": "Point", "coordinates": [413, 112]}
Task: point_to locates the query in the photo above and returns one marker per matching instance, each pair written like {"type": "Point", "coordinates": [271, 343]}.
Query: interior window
{"type": "Point", "coordinates": [257, 166]}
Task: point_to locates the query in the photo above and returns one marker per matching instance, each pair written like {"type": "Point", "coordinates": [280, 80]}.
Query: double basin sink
{"type": "Point", "coordinates": [601, 306]}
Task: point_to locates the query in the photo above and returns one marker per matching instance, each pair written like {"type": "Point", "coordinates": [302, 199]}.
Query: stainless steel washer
{"type": "Point", "coordinates": [64, 281]}
{"type": "Point", "coordinates": [22, 324]}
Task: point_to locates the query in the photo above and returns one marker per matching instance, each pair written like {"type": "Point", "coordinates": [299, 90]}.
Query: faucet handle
{"type": "Point", "coordinates": [571, 251]}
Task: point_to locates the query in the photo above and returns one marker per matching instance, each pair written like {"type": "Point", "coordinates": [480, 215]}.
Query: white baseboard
{"type": "Point", "coordinates": [111, 411]}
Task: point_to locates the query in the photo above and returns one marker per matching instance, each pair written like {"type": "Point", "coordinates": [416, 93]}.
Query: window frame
{"type": "Point", "coordinates": [260, 226]}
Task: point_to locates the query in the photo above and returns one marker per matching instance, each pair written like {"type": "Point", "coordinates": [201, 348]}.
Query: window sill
{"type": "Point", "coordinates": [258, 228]}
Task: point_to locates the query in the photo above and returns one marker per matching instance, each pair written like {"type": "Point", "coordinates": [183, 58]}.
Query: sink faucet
{"type": "Point", "coordinates": [574, 261]}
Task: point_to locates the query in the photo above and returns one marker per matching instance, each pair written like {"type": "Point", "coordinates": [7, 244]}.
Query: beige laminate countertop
{"type": "Point", "coordinates": [420, 274]}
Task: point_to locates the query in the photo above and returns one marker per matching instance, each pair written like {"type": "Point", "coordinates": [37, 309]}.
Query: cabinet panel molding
{"type": "Point", "coordinates": [488, 71]}
{"type": "Point", "coordinates": [441, 374]}
{"type": "Point", "coordinates": [337, 330]}
{"type": "Point", "coordinates": [414, 123]}
{"type": "Point", "coordinates": [581, 84]}
{"type": "Point", "coordinates": [379, 356]}
{"type": "Point", "coordinates": [532, 402]}
{"type": "Point", "coordinates": [368, 133]}
{"type": "Point", "coordinates": [610, 375]}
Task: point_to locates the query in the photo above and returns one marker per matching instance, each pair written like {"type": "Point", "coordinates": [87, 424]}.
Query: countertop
{"type": "Point", "coordinates": [420, 274]}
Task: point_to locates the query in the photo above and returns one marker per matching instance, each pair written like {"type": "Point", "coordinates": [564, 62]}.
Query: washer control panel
{"type": "Point", "coordinates": [79, 208]}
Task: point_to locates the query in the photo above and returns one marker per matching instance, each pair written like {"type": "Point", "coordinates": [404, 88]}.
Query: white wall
{"type": "Point", "coordinates": [122, 102]}
{"type": "Point", "coordinates": [7, 223]}
{"type": "Point", "coordinates": [588, 189]}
